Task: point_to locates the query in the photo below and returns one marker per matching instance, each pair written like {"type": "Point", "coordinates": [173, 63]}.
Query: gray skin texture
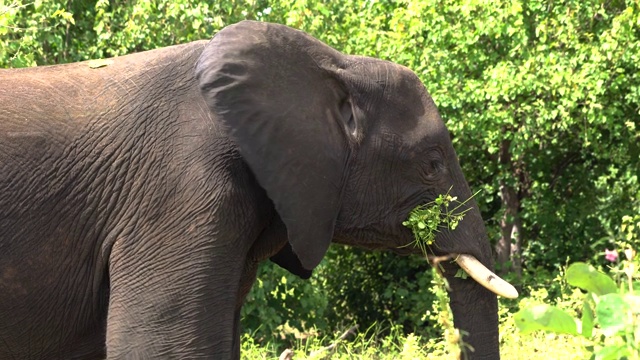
{"type": "Point", "coordinates": [137, 198]}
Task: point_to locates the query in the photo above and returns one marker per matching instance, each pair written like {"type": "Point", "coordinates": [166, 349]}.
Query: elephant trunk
{"type": "Point", "coordinates": [475, 313]}
{"type": "Point", "coordinates": [474, 306]}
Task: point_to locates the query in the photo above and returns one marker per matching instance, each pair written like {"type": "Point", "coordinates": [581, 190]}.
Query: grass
{"type": "Point", "coordinates": [366, 345]}
{"type": "Point", "coordinates": [399, 346]}
{"type": "Point", "coordinates": [369, 343]}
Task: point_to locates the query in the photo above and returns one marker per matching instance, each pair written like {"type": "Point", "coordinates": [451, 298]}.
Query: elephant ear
{"type": "Point", "coordinates": [275, 90]}
{"type": "Point", "coordinates": [287, 259]}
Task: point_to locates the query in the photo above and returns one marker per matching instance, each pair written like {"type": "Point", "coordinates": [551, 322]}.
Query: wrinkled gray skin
{"type": "Point", "coordinates": [136, 199]}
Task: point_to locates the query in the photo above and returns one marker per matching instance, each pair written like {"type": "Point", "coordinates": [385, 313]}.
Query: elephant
{"type": "Point", "coordinates": [138, 195]}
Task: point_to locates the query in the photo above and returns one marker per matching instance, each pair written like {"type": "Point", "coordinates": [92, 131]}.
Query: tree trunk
{"type": "Point", "coordinates": [516, 246]}
{"type": "Point", "coordinates": [508, 249]}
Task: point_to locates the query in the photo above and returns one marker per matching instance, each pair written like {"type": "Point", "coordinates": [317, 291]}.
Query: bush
{"type": "Point", "coordinates": [608, 317]}
{"type": "Point", "coordinates": [376, 287]}
{"type": "Point", "coordinates": [351, 286]}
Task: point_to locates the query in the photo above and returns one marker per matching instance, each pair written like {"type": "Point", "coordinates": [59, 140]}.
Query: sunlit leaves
{"type": "Point", "coordinates": [588, 278]}
{"type": "Point", "coordinates": [610, 314]}
{"type": "Point", "coordinates": [547, 318]}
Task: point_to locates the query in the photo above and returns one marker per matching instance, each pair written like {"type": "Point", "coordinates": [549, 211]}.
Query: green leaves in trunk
{"type": "Point", "coordinates": [426, 220]}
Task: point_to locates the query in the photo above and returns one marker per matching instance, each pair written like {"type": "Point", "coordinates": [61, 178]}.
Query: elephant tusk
{"type": "Point", "coordinates": [486, 277]}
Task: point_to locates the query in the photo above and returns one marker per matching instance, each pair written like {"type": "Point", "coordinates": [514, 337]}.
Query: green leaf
{"type": "Point", "coordinates": [612, 352]}
{"type": "Point", "coordinates": [612, 311]}
{"type": "Point", "coordinates": [547, 318]}
{"type": "Point", "coordinates": [588, 278]}
{"type": "Point", "coordinates": [587, 316]}
{"type": "Point", "coordinates": [461, 274]}
{"type": "Point", "coordinates": [65, 15]}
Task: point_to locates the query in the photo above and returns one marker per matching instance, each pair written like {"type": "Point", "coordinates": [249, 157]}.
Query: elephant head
{"type": "Point", "coordinates": [345, 147]}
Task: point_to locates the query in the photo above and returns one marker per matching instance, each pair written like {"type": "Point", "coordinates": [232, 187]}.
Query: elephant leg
{"type": "Point", "coordinates": [173, 298]}
{"type": "Point", "coordinates": [271, 240]}
{"type": "Point", "coordinates": [246, 282]}
{"type": "Point", "coordinates": [237, 344]}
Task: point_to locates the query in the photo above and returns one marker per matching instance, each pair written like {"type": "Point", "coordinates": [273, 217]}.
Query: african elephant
{"type": "Point", "coordinates": [138, 196]}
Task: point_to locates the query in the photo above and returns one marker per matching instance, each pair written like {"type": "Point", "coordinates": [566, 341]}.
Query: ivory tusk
{"type": "Point", "coordinates": [486, 277]}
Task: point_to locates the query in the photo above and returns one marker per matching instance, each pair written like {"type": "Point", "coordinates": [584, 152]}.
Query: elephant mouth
{"type": "Point", "coordinates": [484, 276]}
{"type": "Point", "coordinates": [403, 251]}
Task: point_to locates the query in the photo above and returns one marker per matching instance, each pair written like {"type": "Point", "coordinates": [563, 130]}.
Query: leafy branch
{"type": "Point", "coordinates": [426, 220]}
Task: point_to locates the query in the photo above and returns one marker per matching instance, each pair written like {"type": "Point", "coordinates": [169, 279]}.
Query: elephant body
{"type": "Point", "coordinates": [101, 168]}
{"type": "Point", "coordinates": [138, 196]}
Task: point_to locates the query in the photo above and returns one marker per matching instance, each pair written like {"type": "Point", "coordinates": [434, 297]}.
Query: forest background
{"type": "Point", "coordinates": [542, 99]}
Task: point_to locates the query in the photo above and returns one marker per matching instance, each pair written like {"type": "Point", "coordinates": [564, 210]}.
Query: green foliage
{"type": "Point", "coordinates": [367, 288]}
{"type": "Point", "coordinates": [517, 345]}
{"type": "Point", "coordinates": [52, 32]}
{"type": "Point", "coordinates": [546, 317]}
{"type": "Point", "coordinates": [281, 304]}
{"type": "Point", "coordinates": [381, 340]}
{"type": "Point", "coordinates": [375, 342]}
{"type": "Point", "coordinates": [586, 277]}
{"type": "Point", "coordinates": [425, 220]}
{"type": "Point", "coordinates": [610, 313]}
{"type": "Point", "coordinates": [391, 341]}
{"type": "Point", "coordinates": [379, 287]}
{"type": "Point", "coordinates": [532, 78]}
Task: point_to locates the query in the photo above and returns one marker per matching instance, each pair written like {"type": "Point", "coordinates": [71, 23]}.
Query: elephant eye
{"type": "Point", "coordinates": [351, 124]}
{"type": "Point", "coordinates": [347, 116]}
{"type": "Point", "coordinates": [436, 166]}
{"type": "Point", "coordinates": [434, 163]}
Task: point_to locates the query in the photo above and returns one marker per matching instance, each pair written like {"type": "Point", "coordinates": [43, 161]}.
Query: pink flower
{"type": "Point", "coordinates": [610, 255]}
